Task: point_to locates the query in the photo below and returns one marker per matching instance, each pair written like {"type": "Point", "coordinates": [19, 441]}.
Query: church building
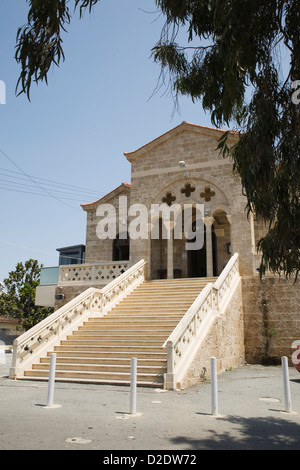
{"type": "Point", "coordinates": [171, 256]}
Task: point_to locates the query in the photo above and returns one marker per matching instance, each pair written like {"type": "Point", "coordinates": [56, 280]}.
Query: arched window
{"type": "Point", "coordinates": [121, 248]}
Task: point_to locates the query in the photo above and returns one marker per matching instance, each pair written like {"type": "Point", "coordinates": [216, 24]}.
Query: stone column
{"type": "Point", "coordinates": [170, 262]}
{"type": "Point", "coordinates": [208, 221]}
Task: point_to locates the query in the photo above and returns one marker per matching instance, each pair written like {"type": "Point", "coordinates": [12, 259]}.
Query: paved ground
{"type": "Point", "coordinates": [251, 407]}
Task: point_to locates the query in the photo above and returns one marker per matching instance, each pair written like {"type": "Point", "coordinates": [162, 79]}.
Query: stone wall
{"type": "Point", "coordinates": [98, 250]}
{"type": "Point", "coordinates": [225, 341]}
{"type": "Point", "coordinates": [155, 171]}
{"type": "Point", "coordinates": [271, 317]}
{"type": "Point", "coordinates": [70, 292]}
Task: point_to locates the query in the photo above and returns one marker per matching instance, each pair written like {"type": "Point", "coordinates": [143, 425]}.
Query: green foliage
{"type": "Point", "coordinates": [231, 60]}
{"type": "Point", "coordinates": [18, 300]}
{"type": "Point", "coordinates": [235, 69]}
{"type": "Point", "coordinates": [39, 43]}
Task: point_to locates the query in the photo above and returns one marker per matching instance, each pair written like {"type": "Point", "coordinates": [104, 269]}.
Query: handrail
{"type": "Point", "coordinates": [184, 341]}
{"type": "Point", "coordinates": [29, 346]}
{"type": "Point", "coordinates": [51, 319]}
{"type": "Point", "coordinates": [126, 274]}
{"type": "Point", "coordinates": [188, 316]}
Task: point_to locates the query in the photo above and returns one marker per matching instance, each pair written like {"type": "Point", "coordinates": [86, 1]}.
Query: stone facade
{"type": "Point", "coordinates": [225, 342]}
{"type": "Point", "coordinates": [184, 167]}
{"type": "Point", "coordinates": [272, 318]}
{"type": "Point", "coordinates": [97, 249]}
{"type": "Point", "coordinates": [155, 173]}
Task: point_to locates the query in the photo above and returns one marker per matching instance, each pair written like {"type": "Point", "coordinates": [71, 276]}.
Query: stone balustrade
{"type": "Point", "coordinates": [101, 273]}
{"type": "Point", "coordinates": [47, 334]}
{"type": "Point", "coordinates": [185, 340]}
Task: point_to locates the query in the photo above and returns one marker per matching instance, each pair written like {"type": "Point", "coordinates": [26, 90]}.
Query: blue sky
{"type": "Point", "coordinates": [97, 105]}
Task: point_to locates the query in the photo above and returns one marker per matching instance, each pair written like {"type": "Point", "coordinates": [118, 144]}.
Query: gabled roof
{"type": "Point", "coordinates": [183, 127]}
{"type": "Point", "coordinates": [107, 197]}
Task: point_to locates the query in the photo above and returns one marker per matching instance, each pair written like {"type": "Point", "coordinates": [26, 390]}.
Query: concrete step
{"type": "Point", "coordinates": [129, 326]}
{"type": "Point", "coordinates": [127, 336]}
{"type": "Point", "coordinates": [101, 349]}
{"type": "Point", "coordinates": [113, 343]}
{"type": "Point", "coordinates": [109, 347]}
{"type": "Point", "coordinates": [109, 355]}
{"type": "Point", "coordinates": [123, 361]}
{"type": "Point", "coordinates": [107, 368]}
{"type": "Point", "coordinates": [96, 376]}
{"type": "Point", "coordinates": [107, 333]}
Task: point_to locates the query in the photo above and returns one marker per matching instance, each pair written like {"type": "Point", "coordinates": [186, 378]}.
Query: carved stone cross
{"type": "Point", "coordinates": [188, 190]}
{"type": "Point", "coordinates": [169, 199]}
{"type": "Point", "coordinates": [207, 194]}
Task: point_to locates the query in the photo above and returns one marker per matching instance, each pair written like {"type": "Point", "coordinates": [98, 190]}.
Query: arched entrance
{"type": "Point", "coordinates": [171, 258]}
{"type": "Point", "coordinates": [197, 259]}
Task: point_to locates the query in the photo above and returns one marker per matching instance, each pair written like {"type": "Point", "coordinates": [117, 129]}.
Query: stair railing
{"type": "Point", "coordinates": [185, 340]}
{"type": "Point", "coordinates": [47, 334]}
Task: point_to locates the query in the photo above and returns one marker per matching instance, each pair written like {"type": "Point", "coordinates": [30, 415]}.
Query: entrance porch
{"type": "Point", "coordinates": [172, 256]}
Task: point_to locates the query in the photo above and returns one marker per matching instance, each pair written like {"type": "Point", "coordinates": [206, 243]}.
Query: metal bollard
{"type": "Point", "coordinates": [51, 380]}
{"type": "Point", "coordinates": [133, 380]}
{"type": "Point", "coordinates": [286, 385]}
{"type": "Point", "coordinates": [214, 387]}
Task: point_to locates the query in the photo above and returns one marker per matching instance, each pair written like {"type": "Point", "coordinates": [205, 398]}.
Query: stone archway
{"type": "Point", "coordinates": [170, 258]}
{"type": "Point", "coordinates": [222, 230]}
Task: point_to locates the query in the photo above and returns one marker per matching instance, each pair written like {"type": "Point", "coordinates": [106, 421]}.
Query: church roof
{"type": "Point", "coordinates": [183, 127]}
{"type": "Point", "coordinates": [107, 197]}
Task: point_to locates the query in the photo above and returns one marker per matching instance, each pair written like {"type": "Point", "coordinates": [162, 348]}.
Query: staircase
{"type": "Point", "coordinates": [100, 350]}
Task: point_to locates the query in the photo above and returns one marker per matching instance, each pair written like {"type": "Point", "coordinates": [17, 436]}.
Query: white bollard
{"type": "Point", "coordinates": [214, 387]}
{"type": "Point", "coordinates": [133, 375]}
{"type": "Point", "coordinates": [51, 380]}
{"type": "Point", "coordinates": [286, 385]}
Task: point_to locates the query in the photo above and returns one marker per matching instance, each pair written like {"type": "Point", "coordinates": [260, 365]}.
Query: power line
{"type": "Point", "coordinates": [17, 245]}
{"type": "Point", "coordinates": [36, 194]}
{"type": "Point", "coordinates": [36, 183]}
{"type": "Point", "coordinates": [48, 182]}
{"type": "Point", "coordinates": [59, 199]}
{"type": "Point", "coordinates": [58, 192]}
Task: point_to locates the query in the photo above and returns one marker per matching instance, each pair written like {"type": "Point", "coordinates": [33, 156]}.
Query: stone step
{"type": "Point", "coordinates": [101, 349]}
{"type": "Point", "coordinates": [108, 343]}
{"type": "Point", "coordinates": [109, 347]}
{"type": "Point", "coordinates": [155, 302]}
{"type": "Point", "coordinates": [109, 355]}
{"type": "Point", "coordinates": [125, 330]}
{"type": "Point", "coordinates": [118, 336]}
{"type": "Point", "coordinates": [113, 368]}
{"type": "Point", "coordinates": [152, 361]}
{"type": "Point", "coordinates": [139, 317]}
{"type": "Point", "coordinates": [90, 380]}
{"type": "Point", "coordinates": [161, 312]}
{"type": "Point", "coordinates": [152, 308]}
{"type": "Point", "coordinates": [99, 376]}
{"type": "Point", "coordinates": [130, 326]}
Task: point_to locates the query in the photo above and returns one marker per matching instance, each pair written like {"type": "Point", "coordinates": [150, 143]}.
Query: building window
{"type": "Point", "coordinates": [121, 249]}
{"type": "Point", "coordinates": [71, 255]}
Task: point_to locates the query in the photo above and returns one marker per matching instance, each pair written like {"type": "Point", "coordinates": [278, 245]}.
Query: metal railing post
{"type": "Point", "coordinates": [133, 380]}
{"type": "Point", "coordinates": [214, 387]}
{"type": "Point", "coordinates": [51, 380]}
{"type": "Point", "coordinates": [286, 385]}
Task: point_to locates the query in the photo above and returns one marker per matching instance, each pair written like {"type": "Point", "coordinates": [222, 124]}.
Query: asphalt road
{"type": "Point", "coordinates": [96, 417]}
